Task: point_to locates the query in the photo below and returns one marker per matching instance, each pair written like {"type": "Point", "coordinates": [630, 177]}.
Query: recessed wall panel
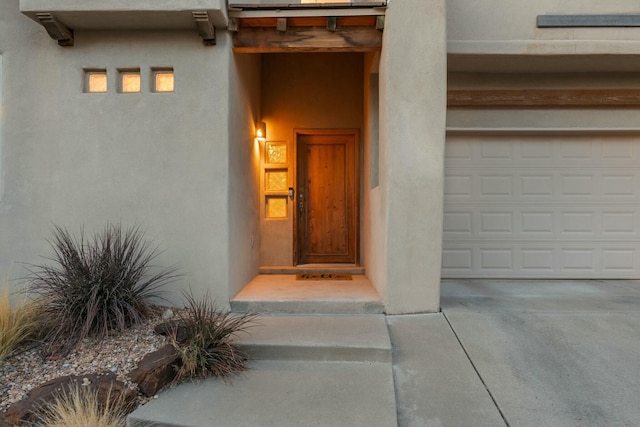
{"type": "Point", "coordinates": [537, 185]}
{"type": "Point", "coordinates": [537, 222]}
{"type": "Point", "coordinates": [458, 259]}
{"type": "Point", "coordinates": [577, 259]}
{"type": "Point", "coordinates": [493, 185]}
{"type": "Point", "coordinates": [457, 222]}
{"type": "Point", "coordinates": [496, 259]}
{"type": "Point", "coordinates": [618, 259]}
{"type": "Point", "coordinates": [537, 259]}
{"type": "Point", "coordinates": [496, 222]}
{"type": "Point", "coordinates": [577, 185]}
{"type": "Point", "coordinates": [619, 185]}
{"type": "Point", "coordinates": [458, 185]}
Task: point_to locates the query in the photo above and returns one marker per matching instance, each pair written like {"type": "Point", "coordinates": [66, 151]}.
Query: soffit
{"type": "Point", "coordinates": [61, 17]}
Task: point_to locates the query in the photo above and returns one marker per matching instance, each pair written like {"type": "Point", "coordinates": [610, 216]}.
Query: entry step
{"type": "Point", "coordinates": [314, 268]}
{"type": "Point", "coordinates": [363, 338]}
{"type": "Point", "coordinates": [283, 294]}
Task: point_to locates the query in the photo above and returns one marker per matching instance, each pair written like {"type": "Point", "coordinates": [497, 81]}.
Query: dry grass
{"type": "Point", "coordinates": [16, 323]}
{"type": "Point", "coordinates": [80, 407]}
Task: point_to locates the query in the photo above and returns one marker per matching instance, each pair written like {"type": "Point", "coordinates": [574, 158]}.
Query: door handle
{"type": "Point", "coordinates": [292, 193]}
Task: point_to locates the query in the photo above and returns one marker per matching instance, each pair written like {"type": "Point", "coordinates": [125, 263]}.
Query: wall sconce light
{"type": "Point", "coordinates": [261, 131]}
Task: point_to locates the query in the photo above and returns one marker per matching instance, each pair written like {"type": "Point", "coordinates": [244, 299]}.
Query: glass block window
{"type": "Point", "coordinates": [276, 153]}
{"type": "Point", "coordinates": [163, 80]}
{"type": "Point", "coordinates": [276, 180]}
{"type": "Point", "coordinates": [95, 81]}
{"type": "Point", "coordinates": [276, 207]}
{"type": "Point", "coordinates": [130, 81]}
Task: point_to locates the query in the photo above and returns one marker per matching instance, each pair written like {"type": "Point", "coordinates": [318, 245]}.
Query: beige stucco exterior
{"type": "Point", "coordinates": [185, 165]}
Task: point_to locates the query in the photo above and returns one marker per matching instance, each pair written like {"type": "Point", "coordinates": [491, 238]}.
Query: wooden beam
{"type": "Point", "coordinates": [311, 39]}
{"type": "Point", "coordinates": [313, 21]}
{"type": "Point", "coordinates": [56, 29]}
{"type": "Point", "coordinates": [332, 23]}
{"type": "Point", "coordinates": [282, 24]}
{"type": "Point", "coordinates": [544, 98]}
{"type": "Point", "coordinates": [205, 27]}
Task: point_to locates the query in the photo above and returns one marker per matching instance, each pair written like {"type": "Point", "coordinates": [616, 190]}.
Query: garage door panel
{"type": "Point", "coordinates": [539, 260]}
{"type": "Point", "coordinates": [557, 208]}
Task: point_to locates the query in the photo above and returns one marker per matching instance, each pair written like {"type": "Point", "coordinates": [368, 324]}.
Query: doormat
{"type": "Point", "coordinates": [323, 276]}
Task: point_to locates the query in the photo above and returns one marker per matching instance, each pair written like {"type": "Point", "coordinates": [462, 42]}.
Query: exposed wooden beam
{"type": "Point", "coordinates": [281, 24]}
{"type": "Point", "coordinates": [544, 98]}
{"type": "Point", "coordinates": [332, 23]}
{"type": "Point", "coordinates": [205, 27]}
{"type": "Point", "coordinates": [56, 29]}
{"type": "Point", "coordinates": [307, 39]}
{"type": "Point", "coordinates": [314, 21]}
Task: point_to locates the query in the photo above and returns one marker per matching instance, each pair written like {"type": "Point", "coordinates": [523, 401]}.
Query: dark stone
{"type": "Point", "coordinates": [156, 370]}
{"type": "Point", "coordinates": [107, 386]}
{"type": "Point", "coordinates": [174, 328]}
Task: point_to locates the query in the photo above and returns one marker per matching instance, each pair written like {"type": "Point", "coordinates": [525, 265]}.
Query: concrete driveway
{"type": "Point", "coordinates": [501, 353]}
{"type": "Point", "coordinates": [549, 353]}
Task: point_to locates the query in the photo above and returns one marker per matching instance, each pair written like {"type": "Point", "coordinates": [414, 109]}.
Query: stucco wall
{"type": "Point", "coordinates": [509, 27]}
{"type": "Point", "coordinates": [373, 225]}
{"type": "Point", "coordinates": [412, 134]}
{"type": "Point", "coordinates": [79, 159]}
{"type": "Point", "coordinates": [244, 161]}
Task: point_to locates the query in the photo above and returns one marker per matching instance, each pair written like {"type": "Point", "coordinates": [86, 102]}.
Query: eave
{"type": "Point", "coordinates": [61, 17]}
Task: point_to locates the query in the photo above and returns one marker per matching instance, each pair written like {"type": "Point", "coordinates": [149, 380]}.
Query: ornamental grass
{"type": "Point", "coordinates": [210, 349]}
{"type": "Point", "coordinates": [92, 286]}
{"type": "Point", "coordinates": [17, 323]}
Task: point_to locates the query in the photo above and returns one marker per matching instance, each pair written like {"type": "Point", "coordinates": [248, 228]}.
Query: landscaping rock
{"type": "Point", "coordinates": [156, 370]}
{"type": "Point", "coordinates": [106, 385]}
{"type": "Point", "coordinates": [176, 327]}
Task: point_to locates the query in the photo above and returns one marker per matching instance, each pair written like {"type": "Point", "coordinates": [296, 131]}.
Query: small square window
{"type": "Point", "coordinates": [163, 80]}
{"type": "Point", "coordinates": [276, 207]}
{"type": "Point", "coordinates": [129, 81]}
{"type": "Point", "coordinates": [95, 81]}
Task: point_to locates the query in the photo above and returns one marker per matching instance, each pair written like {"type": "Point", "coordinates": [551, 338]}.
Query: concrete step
{"type": "Point", "coordinates": [314, 268]}
{"type": "Point", "coordinates": [312, 370]}
{"type": "Point", "coordinates": [362, 338]}
{"type": "Point", "coordinates": [283, 294]}
{"type": "Point", "coordinates": [280, 394]}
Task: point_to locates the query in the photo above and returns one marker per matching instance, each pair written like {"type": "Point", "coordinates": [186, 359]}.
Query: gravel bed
{"type": "Point", "coordinates": [119, 353]}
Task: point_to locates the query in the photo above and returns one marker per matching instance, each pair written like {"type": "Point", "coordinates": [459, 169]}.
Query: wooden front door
{"type": "Point", "coordinates": [327, 197]}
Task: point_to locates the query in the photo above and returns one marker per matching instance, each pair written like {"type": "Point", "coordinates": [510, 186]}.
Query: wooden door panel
{"type": "Point", "coordinates": [327, 198]}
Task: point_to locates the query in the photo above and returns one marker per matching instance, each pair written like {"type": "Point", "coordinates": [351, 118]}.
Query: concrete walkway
{"type": "Point", "coordinates": [501, 353]}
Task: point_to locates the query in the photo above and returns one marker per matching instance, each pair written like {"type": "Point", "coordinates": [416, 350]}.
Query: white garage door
{"type": "Point", "coordinates": [545, 206]}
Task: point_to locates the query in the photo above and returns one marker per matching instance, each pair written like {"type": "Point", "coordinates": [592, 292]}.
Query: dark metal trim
{"type": "Point", "coordinates": [568, 21]}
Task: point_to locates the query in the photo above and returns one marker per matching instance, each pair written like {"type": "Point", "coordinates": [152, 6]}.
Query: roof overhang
{"type": "Point", "coordinates": [61, 17]}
